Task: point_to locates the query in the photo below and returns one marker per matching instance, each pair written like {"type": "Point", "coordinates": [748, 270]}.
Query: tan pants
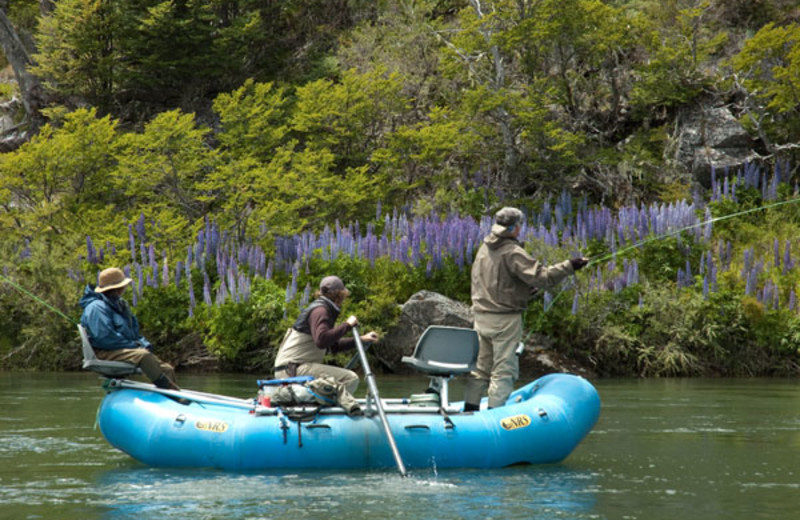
{"type": "Point", "coordinates": [498, 366]}
{"type": "Point", "coordinates": [152, 367]}
{"type": "Point", "coordinates": [343, 376]}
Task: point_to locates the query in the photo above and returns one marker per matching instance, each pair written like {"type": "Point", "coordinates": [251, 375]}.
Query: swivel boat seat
{"type": "Point", "coordinates": [109, 369]}
{"type": "Point", "coordinates": [443, 353]}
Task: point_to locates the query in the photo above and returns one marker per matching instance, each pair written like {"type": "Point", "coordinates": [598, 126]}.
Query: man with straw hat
{"type": "Point", "coordinates": [114, 330]}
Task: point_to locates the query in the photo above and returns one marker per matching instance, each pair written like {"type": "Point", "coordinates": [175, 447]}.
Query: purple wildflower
{"type": "Point", "coordinates": [91, 255]}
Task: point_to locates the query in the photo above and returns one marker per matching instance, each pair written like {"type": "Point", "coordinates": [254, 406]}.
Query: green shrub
{"type": "Point", "coordinates": [234, 330]}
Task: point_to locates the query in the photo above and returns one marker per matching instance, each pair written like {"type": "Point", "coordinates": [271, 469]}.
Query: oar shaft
{"type": "Point", "coordinates": [373, 389]}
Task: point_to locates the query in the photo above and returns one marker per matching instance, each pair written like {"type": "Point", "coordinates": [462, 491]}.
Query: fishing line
{"type": "Point", "coordinates": [687, 228]}
{"type": "Point", "coordinates": [36, 298]}
{"type": "Point", "coordinates": [574, 279]}
{"type": "Point", "coordinates": [670, 234]}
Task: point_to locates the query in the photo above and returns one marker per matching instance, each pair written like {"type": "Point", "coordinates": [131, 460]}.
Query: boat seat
{"type": "Point", "coordinates": [443, 353]}
{"type": "Point", "coordinates": [110, 369]}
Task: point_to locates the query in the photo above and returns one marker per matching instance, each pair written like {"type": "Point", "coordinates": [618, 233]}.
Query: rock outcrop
{"type": "Point", "coordinates": [423, 309]}
{"type": "Point", "coordinates": [709, 137]}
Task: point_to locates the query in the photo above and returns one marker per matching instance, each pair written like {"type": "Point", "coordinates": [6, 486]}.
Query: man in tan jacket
{"type": "Point", "coordinates": [504, 277]}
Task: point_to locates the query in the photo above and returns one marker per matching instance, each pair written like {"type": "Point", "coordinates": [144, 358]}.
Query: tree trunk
{"type": "Point", "coordinates": [29, 86]}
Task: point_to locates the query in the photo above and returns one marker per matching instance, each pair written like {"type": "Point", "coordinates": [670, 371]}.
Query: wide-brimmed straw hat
{"type": "Point", "coordinates": [111, 278]}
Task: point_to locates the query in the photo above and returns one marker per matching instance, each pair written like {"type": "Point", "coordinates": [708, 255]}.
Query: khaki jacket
{"type": "Point", "coordinates": [504, 275]}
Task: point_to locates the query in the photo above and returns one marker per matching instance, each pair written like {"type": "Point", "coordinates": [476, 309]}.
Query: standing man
{"type": "Point", "coordinates": [503, 278]}
{"type": "Point", "coordinates": [114, 331]}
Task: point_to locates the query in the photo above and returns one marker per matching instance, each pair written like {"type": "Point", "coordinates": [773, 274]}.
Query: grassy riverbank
{"type": "Point", "coordinates": [705, 286]}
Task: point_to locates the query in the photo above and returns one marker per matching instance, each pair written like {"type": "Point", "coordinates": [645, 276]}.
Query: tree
{"type": "Point", "coordinates": [352, 117]}
{"type": "Point", "coordinates": [297, 165]}
{"type": "Point", "coordinates": [675, 72]}
{"type": "Point", "coordinates": [767, 70]}
{"type": "Point", "coordinates": [161, 170]}
{"type": "Point", "coordinates": [57, 184]}
{"type": "Point", "coordinates": [78, 58]}
{"type": "Point", "coordinates": [30, 88]}
{"type": "Point", "coordinates": [253, 119]}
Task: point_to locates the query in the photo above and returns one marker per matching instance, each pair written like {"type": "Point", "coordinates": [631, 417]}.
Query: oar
{"type": "Point", "coordinates": [373, 389]}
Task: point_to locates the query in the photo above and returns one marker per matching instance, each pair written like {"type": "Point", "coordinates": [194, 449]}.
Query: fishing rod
{"type": "Point", "coordinates": [636, 245]}
{"type": "Point", "coordinates": [35, 298]}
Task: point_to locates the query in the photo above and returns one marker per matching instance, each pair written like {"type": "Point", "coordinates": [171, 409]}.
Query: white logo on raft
{"type": "Point", "coordinates": [212, 426]}
{"type": "Point", "coordinates": [517, 421]}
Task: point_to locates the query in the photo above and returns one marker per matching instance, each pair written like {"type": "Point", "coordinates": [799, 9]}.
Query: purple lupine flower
{"type": "Point", "coordinates": [222, 293]}
{"type": "Point", "coordinates": [245, 286]}
{"type": "Point", "coordinates": [575, 304]}
{"type": "Point", "coordinates": [140, 229]}
{"type": "Point", "coordinates": [199, 248]}
{"type": "Point", "coordinates": [792, 300]}
{"type": "Point", "coordinates": [140, 279]}
{"type": "Point", "coordinates": [232, 289]}
{"type": "Point", "coordinates": [746, 266]}
{"type": "Point", "coordinates": [206, 289]}
{"type": "Point", "coordinates": [187, 267]}
{"type": "Point", "coordinates": [91, 255]}
{"type": "Point", "coordinates": [749, 284]}
{"type": "Point", "coordinates": [165, 273]}
{"type": "Point", "coordinates": [131, 243]}
{"type": "Point", "coordinates": [142, 254]}
{"type": "Point", "coordinates": [714, 185]}
{"type": "Point", "coordinates": [765, 295]}
{"type": "Point", "coordinates": [788, 264]}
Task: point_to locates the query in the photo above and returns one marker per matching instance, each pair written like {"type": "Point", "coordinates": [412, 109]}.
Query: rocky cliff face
{"type": "Point", "coordinates": [709, 137]}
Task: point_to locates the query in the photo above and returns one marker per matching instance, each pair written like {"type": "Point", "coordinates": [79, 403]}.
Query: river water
{"type": "Point", "coordinates": [663, 449]}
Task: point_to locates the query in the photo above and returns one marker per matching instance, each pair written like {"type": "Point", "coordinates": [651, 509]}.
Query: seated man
{"type": "Point", "coordinates": [114, 331]}
{"type": "Point", "coordinates": [315, 333]}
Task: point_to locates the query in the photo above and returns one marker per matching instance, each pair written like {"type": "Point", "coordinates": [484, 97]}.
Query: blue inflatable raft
{"type": "Point", "coordinates": [542, 422]}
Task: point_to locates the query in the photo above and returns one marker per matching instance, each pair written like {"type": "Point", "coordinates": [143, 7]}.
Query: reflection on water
{"type": "Point", "coordinates": [662, 449]}
{"type": "Point", "coordinates": [538, 493]}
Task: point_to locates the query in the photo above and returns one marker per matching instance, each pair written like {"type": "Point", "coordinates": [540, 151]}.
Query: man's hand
{"type": "Point", "coordinates": [579, 263]}
{"type": "Point", "coordinates": [370, 337]}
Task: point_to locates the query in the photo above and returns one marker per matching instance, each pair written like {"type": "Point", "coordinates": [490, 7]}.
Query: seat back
{"type": "Point", "coordinates": [88, 351]}
{"type": "Point", "coordinates": [105, 368]}
{"type": "Point", "coordinates": [445, 351]}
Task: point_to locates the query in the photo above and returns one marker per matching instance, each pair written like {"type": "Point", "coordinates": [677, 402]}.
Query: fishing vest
{"type": "Point", "coordinates": [298, 345]}
{"type": "Point", "coordinates": [301, 323]}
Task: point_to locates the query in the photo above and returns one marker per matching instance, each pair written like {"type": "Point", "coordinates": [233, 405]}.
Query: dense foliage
{"type": "Point", "coordinates": [230, 153]}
